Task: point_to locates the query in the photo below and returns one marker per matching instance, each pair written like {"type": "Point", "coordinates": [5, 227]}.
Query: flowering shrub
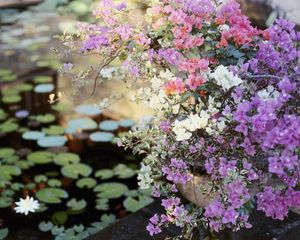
{"type": "Point", "coordinates": [225, 102]}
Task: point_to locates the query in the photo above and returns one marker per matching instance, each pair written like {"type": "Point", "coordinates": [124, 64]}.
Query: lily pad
{"type": "Point", "coordinates": [104, 174]}
{"type": "Point", "coordinates": [44, 88]}
{"type": "Point", "coordinates": [59, 218]}
{"type": "Point", "coordinates": [76, 205]}
{"type": "Point", "coordinates": [42, 79]}
{"type": "Point", "coordinates": [52, 141]}
{"type": "Point", "coordinates": [24, 87]}
{"type": "Point", "coordinates": [111, 190]}
{"type": "Point", "coordinates": [122, 171]}
{"type": "Point", "coordinates": [81, 124]}
{"type": "Point", "coordinates": [101, 137]}
{"type": "Point", "coordinates": [109, 125]}
{"type": "Point", "coordinates": [63, 159]}
{"type": "Point", "coordinates": [41, 157]}
{"type": "Point", "coordinates": [133, 205]}
{"type": "Point", "coordinates": [75, 170]}
{"type": "Point", "coordinates": [54, 183]}
{"type": "Point", "coordinates": [6, 152]}
{"type": "Point", "coordinates": [3, 233]}
{"type": "Point", "coordinates": [40, 178]}
{"type": "Point", "coordinates": [54, 130]}
{"type": "Point", "coordinates": [7, 171]}
{"type": "Point", "coordinates": [126, 123]}
{"type": "Point", "coordinates": [33, 135]}
{"type": "Point", "coordinates": [24, 164]}
{"type": "Point", "coordinates": [9, 126]}
{"type": "Point", "coordinates": [90, 110]}
{"type": "Point", "coordinates": [102, 204]}
{"type": "Point", "coordinates": [5, 202]}
{"type": "Point", "coordinates": [45, 226]}
{"type": "Point", "coordinates": [17, 186]}
{"type": "Point", "coordinates": [47, 118]}
{"type": "Point", "coordinates": [11, 99]}
{"type": "Point", "coordinates": [3, 114]}
{"type": "Point", "coordinates": [61, 107]}
{"type": "Point", "coordinates": [51, 195]}
{"type": "Point", "coordinates": [86, 183]}
{"type": "Point", "coordinates": [108, 218]}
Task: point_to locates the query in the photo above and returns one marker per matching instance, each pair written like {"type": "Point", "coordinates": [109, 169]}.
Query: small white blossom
{"type": "Point", "coordinates": [107, 72]}
{"type": "Point", "coordinates": [27, 205]}
{"type": "Point", "coordinates": [225, 78]}
{"type": "Point", "coordinates": [269, 93]}
{"type": "Point", "coordinates": [144, 177]}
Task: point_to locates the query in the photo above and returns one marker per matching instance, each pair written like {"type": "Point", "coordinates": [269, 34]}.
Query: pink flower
{"type": "Point", "coordinates": [194, 81]}
{"type": "Point", "coordinates": [175, 86]}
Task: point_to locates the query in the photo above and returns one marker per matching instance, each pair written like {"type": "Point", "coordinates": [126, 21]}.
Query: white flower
{"type": "Point", "coordinates": [27, 205]}
{"type": "Point", "coordinates": [156, 83]}
{"type": "Point", "coordinates": [144, 177]}
{"type": "Point", "coordinates": [225, 78]}
{"type": "Point", "coordinates": [168, 75]}
{"type": "Point", "coordinates": [224, 27]}
{"type": "Point", "coordinates": [107, 72]}
{"type": "Point", "coordinates": [269, 93]}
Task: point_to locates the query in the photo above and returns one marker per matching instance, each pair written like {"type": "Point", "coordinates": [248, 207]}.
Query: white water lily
{"type": "Point", "coordinates": [27, 205]}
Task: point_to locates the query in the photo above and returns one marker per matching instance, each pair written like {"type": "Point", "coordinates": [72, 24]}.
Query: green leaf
{"type": "Point", "coordinates": [42, 79]}
{"type": "Point", "coordinates": [86, 183]}
{"type": "Point", "coordinates": [3, 114]}
{"type": "Point", "coordinates": [40, 178]}
{"type": "Point", "coordinates": [47, 118]}
{"type": "Point", "coordinates": [78, 228]}
{"type": "Point", "coordinates": [54, 130]}
{"type": "Point", "coordinates": [17, 186]}
{"type": "Point", "coordinates": [6, 152]}
{"type": "Point", "coordinates": [6, 172]}
{"type": "Point", "coordinates": [76, 205]}
{"type": "Point", "coordinates": [3, 233]}
{"type": "Point", "coordinates": [51, 195]}
{"type": "Point", "coordinates": [61, 107]}
{"type": "Point", "coordinates": [59, 218]}
{"type": "Point", "coordinates": [102, 204]}
{"type": "Point", "coordinates": [6, 202]}
{"type": "Point", "coordinates": [133, 205]}
{"type": "Point", "coordinates": [54, 183]}
{"type": "Point", "coordinates": [57, 230]}
{"type": "Point", "coordinates": [101, 137]}
{"type": "Point", "coordinates": [9, 126]}
{"type": "Point", "coordinates": [108, 218]}
{"type": "Point", "coordinates": [23, 87]}
{"type": "Point", "coordinates": [33, 135]}
{"type": "Point", "coordinates": [45, 226]}
{"type": "Point", "coordinates": [63, 159]}
{"type": "Point", "coordinates": [8, 99]}
{"type": "Point", "coordinates": [122, 171]}
{"type": "Point", "coordinates": [111, 190]}
{"type": "Point", "coordinates": [75, 170]}
{"type": "Point", "coordinates": [104, 174]}
{"type": "Point", "coordinates": [41, 157]}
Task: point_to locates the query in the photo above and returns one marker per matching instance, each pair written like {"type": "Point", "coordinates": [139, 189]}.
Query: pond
{"type": "Point", "coordinates": [73, 166]}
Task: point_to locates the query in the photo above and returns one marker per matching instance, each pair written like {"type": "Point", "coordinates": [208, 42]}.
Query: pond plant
{"type": "Point", "coordinates": [225, 101]}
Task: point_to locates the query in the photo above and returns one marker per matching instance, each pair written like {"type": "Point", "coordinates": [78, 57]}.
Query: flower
{"type": "Point", "coordinates": [27, 205]}
{"type": "Point", "coordinates": [225, 78]}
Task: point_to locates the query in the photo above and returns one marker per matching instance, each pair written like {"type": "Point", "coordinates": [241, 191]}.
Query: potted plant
{"type": "Point", "coordinates": [225, 128]}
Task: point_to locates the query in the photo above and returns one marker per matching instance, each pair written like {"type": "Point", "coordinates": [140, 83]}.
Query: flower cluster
{"type": "Point", "coordinates": [225, 102]}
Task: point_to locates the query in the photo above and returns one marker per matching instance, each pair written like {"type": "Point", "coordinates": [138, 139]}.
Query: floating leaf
{"type": "Point", "coordinates": [133, 205]}
{"type": "Point", "coordinates": [66, 158]}
{"type": "Point", "coordinates": [109, 125]}
{"type": "Point", "coordinates": [41, 157]}
{"type": "Point", "coordinates": [61, 107]}
{"type": "Point", "coordinates": [40, 178]}
{"type": "Point", "coordinates": [126, 123]}
{"type": "Point", "coordinates": [52, 141]}
{"type": "Point", "coordinates": [17, 186]}
{"type": "Point", "coordinates": [6, 172]}
{"type": "Point", "coordinates": [59, 218]}
{"type": "Point", "coordinates": [24, 164]}
{"type": "Point", "coordinates": [6, 152]}
{"type": "Point", "coordinates": [33, 135]}
{"type": "Point", "coordinates": [111, 190]}
{"type": "Point", "coordinates": [23, 87]}
{"type": "Point", "coordinates": [78, 228]}
{"type": "Point", "coordinates": [42, 79]}
{"type": "Point", "coordinates": [75, 170]}
{"type": "Point", "coordinates": [7, 193]}
{"type": "Point", "coordinates": [51, 195]}
{"type": "Point", "coordinates": [76, 205]}
{"type": "Point", "coordinates": [102, 204]}
{"type": "Point", "coordinates": [54, 130]}
{"type": "Point", "coordinates": [44, 88]}
{"type": "Point", "coordinates": [81, 124]}
{"type": "Point", "coordinates": [89, 110]}
{"type": "Point", "coordinates": [30, 186]}
{"type": "Point", "coordinates": [42, 208]}
{"type": "Point", "coordinates": [9, 99]}
{"type": "Point", "coordinates": [3, 233]}
{"type": "Point", "coordinates": [47, 118]}
{"type": "Point", "coordinates": [5, 202]}
{"type": "Point", "coordinates": [122, 171]}
{"type": "Point", "coordinates": [45, 226]}
{"type": "Point", "coordinates": [9, 126]}
{"type": "Point", "coordinates": [54, 183]}
{"type": "Point", "coordinates": [57, 230]}
{"type": "Point", "coordinates": [3, 114]}
{"type": "Point", "coordinates": [86, 183]}
{"type": "Point", "coordinates": [104, 174]}
{"type": "Point", "coordinates": [108, 218]}
{"type": "Point", "coordinates": [101, 137]}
